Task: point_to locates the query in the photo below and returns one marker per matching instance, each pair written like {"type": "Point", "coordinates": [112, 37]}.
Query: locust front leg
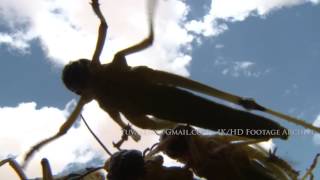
{"type": "Point", "coordinates": [16, 167]}
{"type": "Point", "coordinates": [63, 130]}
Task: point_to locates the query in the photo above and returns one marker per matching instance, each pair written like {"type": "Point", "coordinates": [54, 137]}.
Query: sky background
{"type": "Point", "coordinates": [268, 50]}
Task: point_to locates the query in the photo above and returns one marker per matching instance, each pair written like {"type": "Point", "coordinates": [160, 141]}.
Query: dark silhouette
{"type": "Point", "coordinates": [153, 99]}
{"type": "Point", "coordinates": [222, 157]}
{"type": "Point", "coordinates": [132, 165]}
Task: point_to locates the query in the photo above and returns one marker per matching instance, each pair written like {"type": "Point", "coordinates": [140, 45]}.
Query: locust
{"type": "Point", "coordinates": [46, 169]}
{"type": "Point", "coordinates": [133, 165]}
{"type": "Point", "coordinates": [225, 157]}
{"type": "Point", "coordinates": [154, 99]}
{"type": "Point", "coordinates": [88, 173]}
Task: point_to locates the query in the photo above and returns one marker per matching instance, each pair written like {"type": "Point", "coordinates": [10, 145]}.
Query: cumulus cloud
{"type": "Point", "coordinates": [222, 11]}
{"type": "Point", "coordinates": [239, 68]}
{"type": "Point", "coordinates": [17, 41]}
{"type": "Point", "coordinates": [26, 124]}
{"type": "Point", "coordinates": [219, 46]}
{"type": "Point", "coordinates": [316, 137]}
{"type": "Point", "coordinates": [67, 30]}
{"type": "Point", "coordinates": [292, 90]}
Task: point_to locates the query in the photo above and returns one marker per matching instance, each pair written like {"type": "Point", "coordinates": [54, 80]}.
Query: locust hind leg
{"type": "Point", "coordinates": [161, 77]}
{"type": "Point", "coordinates": [152, 123]}
{"type": "Point", "coordinates": [181, 106]}
{"type": "Point", "coordinates": [102, 33]}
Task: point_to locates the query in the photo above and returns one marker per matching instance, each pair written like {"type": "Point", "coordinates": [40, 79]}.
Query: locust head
{"type": "Point", "coordinates": [126, 164]}
{"type": "Point", "coordinates": [76, 76]}
{"type": "Point", "coordinates": [177, 140]}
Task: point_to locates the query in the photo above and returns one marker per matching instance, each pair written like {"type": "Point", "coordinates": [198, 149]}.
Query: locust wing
{"type": "Point", "coordinates": [169, 79]}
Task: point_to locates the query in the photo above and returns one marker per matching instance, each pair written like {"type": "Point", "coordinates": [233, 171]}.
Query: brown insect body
{"type": "Point", "coordinates": [217, 157]}
{"type": "Point", "coordinates": [153, 99]}
{"type": "Point", "coordinates": [127, 90]}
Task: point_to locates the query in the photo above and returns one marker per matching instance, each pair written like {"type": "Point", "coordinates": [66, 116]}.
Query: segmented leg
{"type": "Point", "coordinates": [144, 43]}
{"type": "Point", "coordinates": [16, 167]}
{"type": "Point", "coordinates": [162, 77]}
{"type": "Point", "coordinates": [63, 130]}
{"type": "Point", "coordinates": [151, 123]}
{"type": "Point", "coordinates": [102, 32]}
{"type": "Point", "coordinates": [311, 168]}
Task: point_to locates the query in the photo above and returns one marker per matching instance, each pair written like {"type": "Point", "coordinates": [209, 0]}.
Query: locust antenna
{"type": "Point", "coordinates": [311, 168]}
{"type": "Point", "coordinates": [95, 136]}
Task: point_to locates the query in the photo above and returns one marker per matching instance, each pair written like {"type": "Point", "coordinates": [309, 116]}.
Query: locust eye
{"type": "Point", "coordinates": [126, 164]}
{"type": "Point", "coordinates": [76, 75]}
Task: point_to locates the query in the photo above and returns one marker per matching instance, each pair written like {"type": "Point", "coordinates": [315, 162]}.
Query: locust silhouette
{"type": "Point", "coordinates": [154, 99]}
{"type": "Point", "coordinates": [222, 157]}
{"type": "Point", "coordinates": [133, 165]}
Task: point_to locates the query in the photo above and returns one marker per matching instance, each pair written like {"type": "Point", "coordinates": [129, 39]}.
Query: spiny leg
{"type": "Point", "coordinates": [144, 43]}
{"type": "Point", "coordinates": [16, 167]}
{"type": "Point", "coordinates": [152, 123]}
{"type": "Point", "coordinates": [63, 130]}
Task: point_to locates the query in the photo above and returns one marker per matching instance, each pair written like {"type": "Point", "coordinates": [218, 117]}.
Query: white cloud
{"type": "Point", "coordinates": [229, 10]}
{"type": "Point", "coordinates": [239, 68]}
{"type": "Point", "coordinates": [219, 46]}
{"type": "Point", "coordinates": [292, 90]}
{"type": "Point", "coordinates": [206, 27]}
{"type": "Point", "coordinates": [67, 30]}
{"type": "Point", "coordinates": [24, 125]}
{"type": "Point", "coordinates": [316, 137]}
{"type": "Point", "coordinates": [16, 41]}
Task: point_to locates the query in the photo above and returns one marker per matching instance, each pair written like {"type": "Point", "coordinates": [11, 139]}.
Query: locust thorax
{"type": "Point", "coordinates": [76, 76]}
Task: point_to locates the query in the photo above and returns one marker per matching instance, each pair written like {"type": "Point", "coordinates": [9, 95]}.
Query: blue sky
{"type": "Point", "coordinates": [266, 50]}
